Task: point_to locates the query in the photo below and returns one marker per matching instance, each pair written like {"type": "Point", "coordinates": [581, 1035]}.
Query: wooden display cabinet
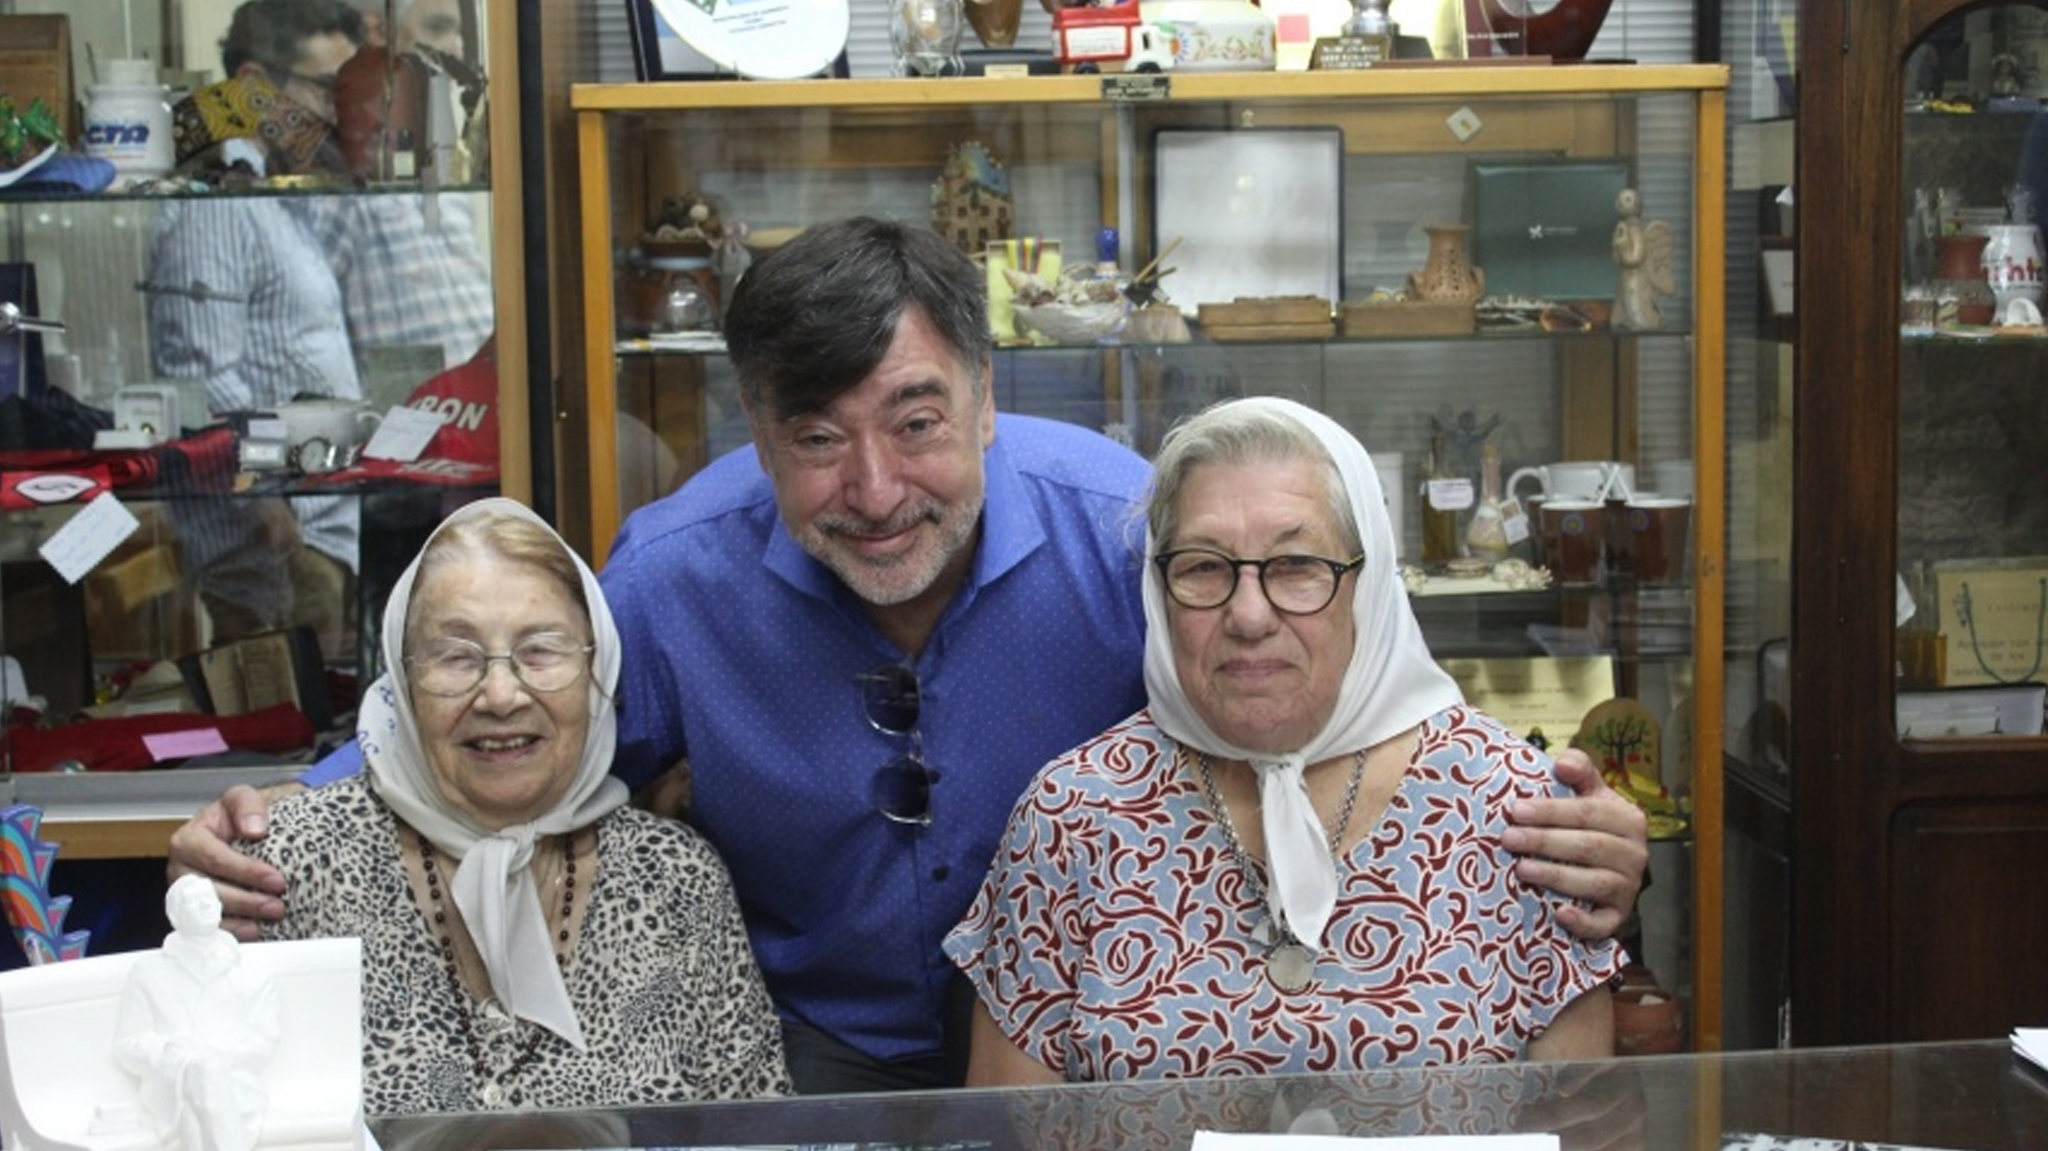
{"type": "Point", "coordinates": [1081, 153]}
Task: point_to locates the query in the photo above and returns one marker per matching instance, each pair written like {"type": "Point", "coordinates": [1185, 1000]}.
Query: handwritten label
{"type": "Point", "coordinates": [1450, 495]}
{"type": "Point", "coordinates": [1514, 521]}
{"type": "Point", "coordinates": [79, 546]}
{"type": "Point", "coordinates": [184, 744]}
{"type": "Point", "coordinates": [403, 435]}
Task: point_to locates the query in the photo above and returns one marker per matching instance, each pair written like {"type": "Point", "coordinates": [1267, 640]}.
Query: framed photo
{"type": "Point", "coordinates": [661, 53]}
{"type": "Point", "coordinates": [1257, 212]}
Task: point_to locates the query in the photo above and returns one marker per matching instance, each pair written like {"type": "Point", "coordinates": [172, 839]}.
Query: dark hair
{"type": "Point", "coordinates": [271, 33]}
{"type": "Point", "coordinates": [813, 318]}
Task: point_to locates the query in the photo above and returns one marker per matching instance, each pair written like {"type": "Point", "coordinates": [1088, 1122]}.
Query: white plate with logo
{"type": "Point", "coordinates": [762, 39]}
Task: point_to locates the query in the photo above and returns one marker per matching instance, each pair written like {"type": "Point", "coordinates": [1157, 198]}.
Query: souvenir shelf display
{"type": "Point", "coordinates": [128, 480]}
{"type": "Point", "coordinates": [1289, 223]}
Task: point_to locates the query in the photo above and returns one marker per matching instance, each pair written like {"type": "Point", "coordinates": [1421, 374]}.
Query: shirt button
{"type": "Point", "coordinates": [941, 872]}
{"type": "Point", "coordinates": [493, 1095]}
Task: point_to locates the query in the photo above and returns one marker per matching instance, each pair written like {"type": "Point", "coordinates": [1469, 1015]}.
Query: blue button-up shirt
{"type": "Point", "coordinates": [743, 652]}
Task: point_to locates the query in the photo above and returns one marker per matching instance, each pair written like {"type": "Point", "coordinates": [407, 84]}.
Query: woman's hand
{"type": "Point", "coordinates": [1591, 847]}
{"type": "Point", "coordinates": [250, 891]}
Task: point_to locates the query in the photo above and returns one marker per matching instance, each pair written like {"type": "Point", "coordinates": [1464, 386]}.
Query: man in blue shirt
{"type": "Point", "coordinates": [854, 645]}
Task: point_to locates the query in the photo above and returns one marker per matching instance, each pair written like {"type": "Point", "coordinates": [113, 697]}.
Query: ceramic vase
{"type": "Point", "coordinates": [1447, 277]}
{"type": "Point", "coordinates": [2012, 263]}
{"type": "Point", "coordinates": [995, 21]}
{"type": "Point", "coordinates": [1959, 269]}
{"type": "Point", "coordinates": [1648, 1020]}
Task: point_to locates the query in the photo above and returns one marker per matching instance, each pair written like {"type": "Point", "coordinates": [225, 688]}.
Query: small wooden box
{"type": "Point", "coordinates": [1405, 318]}
{"type": "Point", "coordinates": [1266, 312]}
{"type": "Point", "coordinates": [35, 60]}
{"type": "Point", "coordinates": [1245, 333]}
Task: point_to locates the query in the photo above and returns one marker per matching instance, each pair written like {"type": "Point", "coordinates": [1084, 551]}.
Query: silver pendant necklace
{"type": "Point", "coordinates": [1290, 964]}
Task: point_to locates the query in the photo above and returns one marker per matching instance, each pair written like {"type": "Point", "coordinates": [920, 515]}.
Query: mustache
{"type": "Point", "coordinates": [862, 528]}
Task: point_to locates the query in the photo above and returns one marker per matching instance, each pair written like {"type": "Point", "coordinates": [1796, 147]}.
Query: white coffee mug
{"type": "Point", "coordinates": [341, 424]}
{"type": "Point", "coordinates": [1578, 480]}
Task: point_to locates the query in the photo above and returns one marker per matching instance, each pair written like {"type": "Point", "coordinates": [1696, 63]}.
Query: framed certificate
{"type": "Point", "coordinates": [1257, 213]}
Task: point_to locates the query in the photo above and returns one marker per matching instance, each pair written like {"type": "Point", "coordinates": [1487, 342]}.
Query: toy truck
{"type": "Point", "coordinates": [1115, 38]}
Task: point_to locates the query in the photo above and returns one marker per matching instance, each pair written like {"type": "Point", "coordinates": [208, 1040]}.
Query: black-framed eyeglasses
{"type": "Point", "coordinates": [452, 667]}
{"type": "Point", "coordinates": [902, 788]}
{"type": "Point", "coordinates": [1203, 578]}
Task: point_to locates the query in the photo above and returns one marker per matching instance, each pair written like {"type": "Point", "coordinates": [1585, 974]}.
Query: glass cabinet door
{"type": "Point", "coordinates": [1549, 435]}
{"type": "Point", "coordinates": [1972, 524]}
{"type": "Point", "coordinates": [193, 523]}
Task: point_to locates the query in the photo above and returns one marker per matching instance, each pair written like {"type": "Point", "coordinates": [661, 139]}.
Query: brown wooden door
{"type": "Point", "coordinates": [1919, 910]}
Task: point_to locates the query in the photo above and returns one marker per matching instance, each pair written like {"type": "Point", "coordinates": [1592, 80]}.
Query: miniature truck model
{"type": "Point", "coordinates": [1115, 38]}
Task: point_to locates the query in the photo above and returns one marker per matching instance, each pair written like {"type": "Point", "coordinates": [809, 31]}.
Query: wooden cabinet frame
{"type": "Point", "coordinates": [627, 165]}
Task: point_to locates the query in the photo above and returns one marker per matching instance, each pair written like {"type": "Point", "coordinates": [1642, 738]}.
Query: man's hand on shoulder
{"type": "Point", "coordinates": [250, 890]}
{"type": "Point", "coordinates": [1593, 846]}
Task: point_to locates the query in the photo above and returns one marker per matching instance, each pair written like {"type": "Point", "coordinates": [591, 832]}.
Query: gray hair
{"type": "Point", "coordinates": [1231, 434]}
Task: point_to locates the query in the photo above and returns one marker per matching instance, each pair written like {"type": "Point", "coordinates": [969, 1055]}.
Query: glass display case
{"type": "Point", "coordinates": [1552, 439]}
{"type": "Point", "coordinates": [194, 544]}
{"type": "Point", "coordinates": [1920, 809]}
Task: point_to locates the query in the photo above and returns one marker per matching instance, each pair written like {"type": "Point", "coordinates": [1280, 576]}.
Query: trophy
{"type": "Point", "coordinates": [1367, 39]}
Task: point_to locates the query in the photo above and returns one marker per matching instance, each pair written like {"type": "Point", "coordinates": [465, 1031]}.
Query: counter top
{"type": "Point", "coordinates": [1972, 1095]}
{"type": "Point", "coordinates": [128, 814]}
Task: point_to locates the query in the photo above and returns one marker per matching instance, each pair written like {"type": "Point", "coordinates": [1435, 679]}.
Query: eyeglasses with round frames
{"type": "Point", "coordinates": [451, 667]}
{"type": "Point", "coordinates": [1202, 578]}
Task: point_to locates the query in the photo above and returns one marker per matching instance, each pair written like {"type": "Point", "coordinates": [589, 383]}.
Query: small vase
{"type": "Point", "coordinates": [1446, 277]}
{"type": "Point", "coordinates": [925, 35]}
{"type": "Point", "coordinates": [995, 21]}
{"type": "Point", "coordinates": [2012, 263]}
{"type": "Point", "coordinates": [1959, 270]}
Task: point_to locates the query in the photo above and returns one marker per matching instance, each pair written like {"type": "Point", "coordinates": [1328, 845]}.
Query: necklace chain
{"type": "Point", "coordinates": [432, 873]}
{"type": "Point", "coordinates": [1237, 851]}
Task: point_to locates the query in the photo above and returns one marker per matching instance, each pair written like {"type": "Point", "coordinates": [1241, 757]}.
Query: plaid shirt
{"type": "Point", "coordinates": [408, 278]}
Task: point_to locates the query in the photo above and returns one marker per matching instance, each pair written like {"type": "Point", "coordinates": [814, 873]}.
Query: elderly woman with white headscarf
{"type": "Point", "coordinates": [529, 941]}
{"type": "Point", "coordinates": [1290, 861]}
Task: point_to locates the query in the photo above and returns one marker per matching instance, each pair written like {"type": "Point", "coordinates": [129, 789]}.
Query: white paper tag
{"type": "Point", "coordinates": [1514, 521]}
{"type": "Point", "coordinates": [80, 545]}
{"type": "Point", "coordinates": [403, 435]}
{"type": "Point", "coordinates": [267, 428]}
{"type": "Point", "coordinates": [1450, 495]}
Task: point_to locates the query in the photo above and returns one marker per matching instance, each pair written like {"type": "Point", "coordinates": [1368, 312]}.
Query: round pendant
{"type": "Point", "coordinates": [1289, 967]}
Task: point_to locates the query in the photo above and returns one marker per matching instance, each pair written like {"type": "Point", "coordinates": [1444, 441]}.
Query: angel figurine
{"type": "Point", "coordinates": [1646, 253]}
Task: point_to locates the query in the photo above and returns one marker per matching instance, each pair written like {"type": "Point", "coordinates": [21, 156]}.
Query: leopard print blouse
{"type": "Point", "coordinates": [672, 1005]}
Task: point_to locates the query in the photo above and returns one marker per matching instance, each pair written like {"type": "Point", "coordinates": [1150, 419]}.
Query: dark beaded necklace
{"type": "Point", "coordinates": [535, 1032]}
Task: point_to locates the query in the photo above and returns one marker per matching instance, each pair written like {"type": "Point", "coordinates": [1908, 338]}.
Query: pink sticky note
{"type": "Point", "coordinates": [184, 744]}
{"type": "Point", "coordinates": [1293, 28]}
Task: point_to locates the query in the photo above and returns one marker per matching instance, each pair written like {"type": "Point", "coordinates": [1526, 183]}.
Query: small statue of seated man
{"type": "Point", "coordinates": [197, 1027]}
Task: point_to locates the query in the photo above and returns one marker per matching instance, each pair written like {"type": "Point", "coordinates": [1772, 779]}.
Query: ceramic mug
{"type": "Point", "coordinates": [1655, 535]}
{"type": "Point", "coordinates": [1574, 536]}
{"type": "Point", "coordinates": [1578, 480]}
{"type": "Point", "coordinates": [342, 424]}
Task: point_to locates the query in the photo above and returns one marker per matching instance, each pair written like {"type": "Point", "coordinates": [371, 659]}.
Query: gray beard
{"type": "Point", "coordinates": [863, 579]}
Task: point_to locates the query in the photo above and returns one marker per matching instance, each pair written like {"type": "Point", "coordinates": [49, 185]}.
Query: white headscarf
{"type": "Point", "coordinates": [1391, 684]}
{"type": "Point", "coordinates": [493, 885]}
